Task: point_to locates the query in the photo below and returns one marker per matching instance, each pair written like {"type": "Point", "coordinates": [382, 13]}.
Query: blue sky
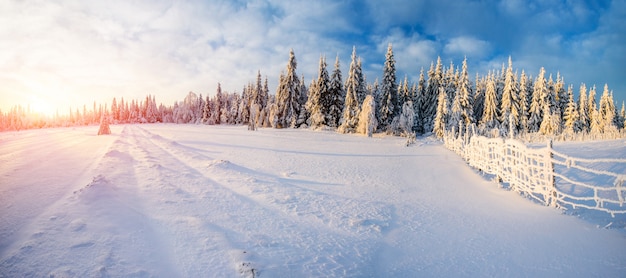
{"type": "Point", "coordinates": [61, 53]}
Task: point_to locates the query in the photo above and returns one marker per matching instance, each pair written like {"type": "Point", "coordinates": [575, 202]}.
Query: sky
{"type": "Point", "coordinates": [60, 54]}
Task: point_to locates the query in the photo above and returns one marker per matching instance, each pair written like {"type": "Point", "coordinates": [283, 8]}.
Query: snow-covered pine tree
{"type": "Point", "coordinates": [288, 96]}
{"type": "Point", "coordinates": [509, 107]}
{"type": "Point", "coordinates": [551, 121]}
{"type": "Point", "coordinates": [367, 117]}
{"type": "Point", "coordinates": [622, 114]}
{"type": "Point", "coordinates": [561, 94]}
{"type": "Point", "coordinates": [354, 88]}
{"type": "Point", "coordinates": [523, 103]}
{"type": "Point", "coordinates": [592, 109]}
{"type": "Point", "coordinates": [607, 111]}
{"type": "Point", "coordinates": [537, 103]}
{"type": "Point", "coordinates": [489, 119]}
{"type": "Point", "coordinates": [439, 127]}
{"type": "Point", "coordinates": [583, 113]}
{"type": "Point", "coordinates": [570, 116]}
{"type": "Point", "coordinates": [104, 125]}
{"type": "Point", "coordinates": [206, 111]}
{"type": "Point", "coordinates": [595, 125]}
{"type": "Point", "coordinates": [407, 117]}
{"type": "Point", "coordinates": [418, 104]}
{"type": "Point", "coordinates": [479, 98]}
{"type": "Point", "coordinates": [336, 96]}
{"type": "Point", "coordinates": [466, 96]}
{"type": "Point", "coordinates": [389, 107]}
{"type": "Point", "coordinates": [430, 105]}
{"type": "Point", "coordinates": [456, 114]}
{"type": "Point", "coordinates": [317, 104]}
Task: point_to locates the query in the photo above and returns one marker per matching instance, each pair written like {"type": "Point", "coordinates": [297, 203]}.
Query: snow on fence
{"type": "Point", "coordinates": [545, 175]}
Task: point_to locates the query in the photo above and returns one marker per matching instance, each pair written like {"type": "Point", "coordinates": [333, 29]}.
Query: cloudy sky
{"type": "Point", "coordinates": [62, 53]}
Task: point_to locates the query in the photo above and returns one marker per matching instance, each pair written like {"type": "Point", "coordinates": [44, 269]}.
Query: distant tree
{"type": "Point", "coordinates": [319, 100]}
{"type": "Point", "coordinates": [509, 107]}
{"type": "Point", "coordinates": [439, 127]}
{"type": "Point", "coordinates": [524, 92]}
{"type": "Point", "coordinates": [407, 117]}
{"type": "Point", "coordinates": [367, 117]}
{"type": "Point", "coordinates": [336, 96]}
{"type": "Point", "coordinates": [389, 107]}
{"type": "Point", "coordinates": [354, 88]}
{"type": "Point", "coordinates": [571, 116]}
{"type": "Point", "coordinates": [489, 119]}
{"type": "Point", "coordinates": [288, 95]}
{"type": "Point", "coordinates": [537, 104]}
{"type": "Point", "coordinates": [430, 103]}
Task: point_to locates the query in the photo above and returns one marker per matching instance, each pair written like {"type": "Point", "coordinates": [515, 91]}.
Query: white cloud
{"type": "Point", "coordinates": [467, 46]}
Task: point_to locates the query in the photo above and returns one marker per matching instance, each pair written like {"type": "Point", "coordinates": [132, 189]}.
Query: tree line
{"type": "Point", "coordinates": [444, 99]}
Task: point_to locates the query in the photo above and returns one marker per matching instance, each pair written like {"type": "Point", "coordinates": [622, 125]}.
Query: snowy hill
{"type": "Point", "coordinates": [220, 201]}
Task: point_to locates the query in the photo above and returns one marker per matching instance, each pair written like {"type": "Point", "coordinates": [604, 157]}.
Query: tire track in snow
{"type": "Point", "coordinates": [272, 231]}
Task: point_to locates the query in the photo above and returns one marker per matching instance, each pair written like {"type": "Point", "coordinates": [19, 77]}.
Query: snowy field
{"type": "Point", "coordinates": [221, 201]}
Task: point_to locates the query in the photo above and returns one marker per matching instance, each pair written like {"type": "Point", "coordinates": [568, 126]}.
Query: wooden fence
{"type": "Point", "coordinates": [545, 175]}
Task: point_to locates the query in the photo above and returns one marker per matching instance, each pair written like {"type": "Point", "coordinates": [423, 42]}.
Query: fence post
{"type": "Point", "coordinates": [551, 199]}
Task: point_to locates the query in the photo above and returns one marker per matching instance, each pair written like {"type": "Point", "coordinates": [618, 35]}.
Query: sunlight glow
{"type": "Point", "coordinates": [42, 108]}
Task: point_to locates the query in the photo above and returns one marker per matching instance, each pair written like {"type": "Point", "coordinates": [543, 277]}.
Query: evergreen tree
{"type": "Point", "coordinates": [607, 111]}
{"type": "Point", "coordinates": [406, 118]}
{"type": "Point", "coordinates": [367, 117]}
{"type": "Point", "coordinates": [336, 96]}
{"type": "Point", "coordinates": [489, 119]}
{"type": "Point", "coordinates": [509, 107]}
{"type": "Point", "coordinates": [288, 97]}
{"type": "Point", "coordinates": [466, 96]}
{"type": "Point", "coordinates": [592, 109]}
{"type": "Point", "coordinates": [583, 113]}
{"type": "Point", "coordinates": [389, 107]}
{"type": "Point", "coordinates": [439, 127]}
{"type": "Point", "coordinates": [418, 104]}
{"type": "Point", "coordinates": [354, 89]}
{"type": "Point", "coordinates": [623, 116]}
{"type": "Point", "coordinates": [479, 98]}
{"type": "Point", "coordinates": [561, 94]}
{"type": "Point", "coordinates": [537, 104]}
{"type": "Point", "coordinates": [319, 98]}
{"type": "Point", "coordinates": [523, 103]}
{"type": "Point", "coordinates": [430, 104]}
{"type": "Point", "coordinates": [571, 116]}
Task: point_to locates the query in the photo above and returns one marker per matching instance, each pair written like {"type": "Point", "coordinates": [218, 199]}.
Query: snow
{"type": "Point", "coordinates": [221, 201]}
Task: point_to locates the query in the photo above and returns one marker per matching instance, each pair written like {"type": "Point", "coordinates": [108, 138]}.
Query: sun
{"type": "Point", "coordinates": [42, 108]}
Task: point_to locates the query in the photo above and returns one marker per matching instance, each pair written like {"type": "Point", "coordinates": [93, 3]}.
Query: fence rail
{"type": "Point", "coordinates": [545, 175]}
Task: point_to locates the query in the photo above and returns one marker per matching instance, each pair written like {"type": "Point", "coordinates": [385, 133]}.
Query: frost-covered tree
{"type": "Point", "coordinates": [288, 96]}
{"type": "Point", "coordinates": [489, 119]}
{"type": "Point", "coordinates": [336, 97]}
{"type": "Point", "coordinates": [456, 114]}
{"type": "Point", "coordinates": [623, 116]}
{"type": "Point", "coordinates": [466, 96]}
{"type": "Point", "coordinates": [367, 118]}
{"type": "Point", "coordinates": [439, 127]}
{"type": "Point", "coordinates": [430, 103]}
{"type": "Point", "coordinates": [318, 102]}
{"type": "Point", "coordinates": [583, 113]}
{"type": "Point", "coordinates": [354, 88]}
{"type": "Point", "coordinates": [479, 98]}
{"type": "Point", "coordinates": [562, 97]}
{"type": "Point", "coordinates": [418, 103]}
{"type": "Point", "coordinates": [571, 116]}
{"type": "Point", "coordinates": [509, 107]}
{"type": "Point", "coordinates": [523, 103]}
{"type": "Point", "coordinates": [592, 109]}
{"type": "Point", "coordinates": [407, 117]}
{"type": "Point", "coordinates": [607, 111]}
{"type": "Point", "coordinates": [537, 104]}
{"type": "Point", "coordinates": [389, 107]}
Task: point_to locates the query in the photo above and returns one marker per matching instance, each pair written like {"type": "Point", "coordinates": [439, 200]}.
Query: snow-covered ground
{"type": "Point", "coordinates": [221, 201]}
